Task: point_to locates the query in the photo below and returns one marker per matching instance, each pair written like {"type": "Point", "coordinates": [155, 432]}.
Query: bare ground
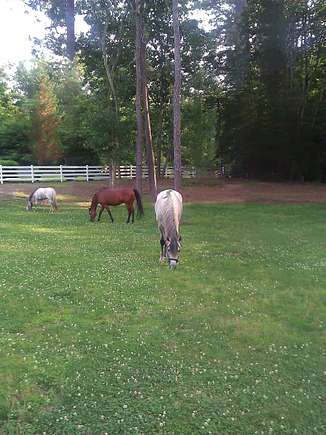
{"type": "Point", "coordinates": [203, 190]}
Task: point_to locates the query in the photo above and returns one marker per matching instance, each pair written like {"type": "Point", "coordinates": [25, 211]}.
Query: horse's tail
{"type": "Point", "coordinates": [139, 203]}
{"type": "Point", "coordinates": [55, 204]}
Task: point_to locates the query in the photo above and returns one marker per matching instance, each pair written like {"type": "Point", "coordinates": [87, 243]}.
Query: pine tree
{"type": "Point", "coordinates": [177, 97]}
{"type": "Point", "coordinates": [47, 148]}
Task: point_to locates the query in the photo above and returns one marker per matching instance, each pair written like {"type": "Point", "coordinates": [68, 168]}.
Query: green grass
{"type": "Point", "coordinates": [97, 337]}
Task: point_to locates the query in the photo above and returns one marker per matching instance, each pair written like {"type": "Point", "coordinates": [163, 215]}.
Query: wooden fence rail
{"type": "Point", "coordinates": [63, 173]}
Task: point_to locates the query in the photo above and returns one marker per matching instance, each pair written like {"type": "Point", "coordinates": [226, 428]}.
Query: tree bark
{"type": "Point", "coordinates": [148, 129]}
{"type": "Point", "coordinates": [109, 69]}
{"type": "Point", "coordinates": [113, 169]}
{"type": "Point", "coordinates": [176, 98]}
{"type": "Point", "coordinates": [139, 85]}
{"type": "Point", "coordinates": [159, 141]}
{"type": "Point", "coordinates": [149, 145]}
{"type": "Point", "coordinates": [70, 23]}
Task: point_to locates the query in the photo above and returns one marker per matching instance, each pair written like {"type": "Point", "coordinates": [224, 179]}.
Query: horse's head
{"type": "Point", "coordinates": [173, 247]}
{"type": "Point", "coordinates": [29, 205]}
{"type": "Point", "coordinates": [92, 213]}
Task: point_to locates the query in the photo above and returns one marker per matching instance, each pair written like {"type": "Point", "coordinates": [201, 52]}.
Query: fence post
{"type": "Point", "coordinates": [32, 173]}
{"type": "Point", "coordinates": [1, 176]}
{"type": "Point", "coordinates": [61, 175]}
{"type": "Point", "coordinates": [87, 177]}
{"type": "Point", "coordinates": [130, 169]}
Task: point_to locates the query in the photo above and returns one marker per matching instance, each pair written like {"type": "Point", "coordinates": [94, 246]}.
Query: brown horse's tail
{"type": "Point", "coordinates": [140, 208]}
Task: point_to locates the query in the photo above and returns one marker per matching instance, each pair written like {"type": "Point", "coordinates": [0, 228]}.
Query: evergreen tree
{"type": "Point", "coordinates": [47, 149]}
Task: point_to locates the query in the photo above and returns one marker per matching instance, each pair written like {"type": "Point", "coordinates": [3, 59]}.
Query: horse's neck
{"type": "Point", "coordinates": [170, 221]}
{"type": "Point", "coordinates": [32, 195]}
{"type": "Point", "coordinates": [94, 201]}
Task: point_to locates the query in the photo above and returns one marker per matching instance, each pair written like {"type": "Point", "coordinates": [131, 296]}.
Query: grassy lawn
{"type": "Point", "coordinates": [96, 336]}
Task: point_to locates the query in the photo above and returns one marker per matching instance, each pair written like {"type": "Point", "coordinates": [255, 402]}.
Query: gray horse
{"type": "Point", "coordinates": [42, 194]}
{"type": "Point", "coordinates": [168, 210]}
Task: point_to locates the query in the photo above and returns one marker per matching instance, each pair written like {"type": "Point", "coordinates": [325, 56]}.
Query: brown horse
{"type": "Point", "coordinates": [106, 197]}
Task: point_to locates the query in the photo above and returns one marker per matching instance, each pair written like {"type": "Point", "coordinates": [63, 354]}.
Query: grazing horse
{"type": "Point", "coordinates": [106, 197]}
{"type": "Point", "coordinates": [168, 210]}
{"type": "Point", "coordinates": [42, 194]}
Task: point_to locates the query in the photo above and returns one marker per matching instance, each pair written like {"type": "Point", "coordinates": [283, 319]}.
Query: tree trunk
{"type": "Point", "coordinates": [109, 69]}
{"type": "Point", "coordinates": [148, 129]}
{"type": "Point", "coordinates": [149, 145]}
{"type": "Point", "coordinates": [159, 141]}
{"type": "Point", "coordinates": [140, 126]}
{"type": "Point", "coordinates": [70, 23]}
{"type": "Point", "coordinates": [176, 98]}
{"type": "Point", "coordinates": [112, 173]}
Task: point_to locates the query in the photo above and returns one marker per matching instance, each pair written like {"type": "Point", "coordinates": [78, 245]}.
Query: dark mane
{"type": "Point", "coordinates": [31, 195]}
{"type": "Point", "coordinates": [94, 201]}
{"type": "Point", "coordinates": [174, 243]}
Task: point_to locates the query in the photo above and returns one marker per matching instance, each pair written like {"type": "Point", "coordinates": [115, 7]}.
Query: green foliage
{"type": "Point", "coordinates": [252, 95]}
{"type": "Point", "coordinates": [106, 56]}
{"type": "Point", "coordinates": [97, 336]}
{"type": "Point", "coordinates": [198, 133]}
{"type": "Point", "coordinates": [6, 162]}
{"type": "Point", "coordinates": [273, 106]}
{"type": "Point", "coordinates": [15, 125]}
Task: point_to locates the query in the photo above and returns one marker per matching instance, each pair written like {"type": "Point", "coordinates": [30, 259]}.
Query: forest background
{"type": "Point", "coordinates": [253, 87]}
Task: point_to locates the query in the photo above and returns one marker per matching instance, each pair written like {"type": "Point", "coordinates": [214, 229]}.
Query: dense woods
{"type": "Point", "coordinates": [253, 87]}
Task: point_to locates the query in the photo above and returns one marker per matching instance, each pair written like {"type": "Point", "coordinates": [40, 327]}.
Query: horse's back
{"type": "Point", "coordinates": [51, 191]}
{"type": "Point", "coordinates": [168, 200]}
{"type": "Point", "coordinates": [47, 192]}
{"type": "Point", "coordinates": [168, 197]}
{"type": "Point", "coordinates": [117, 196]}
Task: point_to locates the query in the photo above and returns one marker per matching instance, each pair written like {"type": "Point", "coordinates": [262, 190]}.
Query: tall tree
{"type": "Point", "coordinates": [62, 15]}
{"type": "Point", "coordinates": [70, 24]}
{"type": "Point", "coordinates": [149, 144]}
{"type": "Point", "coordinates": [139, 91]}
{"type": "Point", "coordinates": [142, 100]}
{"type": "Point", "coordinates": [177, 98]}
{"type": "Point", "coordinates": [47, 148]}
{"type": "Point", "coordinates": [147, 123]}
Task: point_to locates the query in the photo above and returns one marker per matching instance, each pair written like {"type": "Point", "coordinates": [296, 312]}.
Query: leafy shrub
{"type": "Point", "coordinates": [7, 162]}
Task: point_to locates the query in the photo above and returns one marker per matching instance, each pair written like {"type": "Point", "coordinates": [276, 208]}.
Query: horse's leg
{"type": "Point", "coordinates": [109, 211]}
{"type": "Point", "coordinates": [162, 256]}
{"type": "Point", "coordinates": [100, 213]}
{"type": "Point", "coordinates": [129, 212]}
{"type": "Point", "coordinates": [133, 215]}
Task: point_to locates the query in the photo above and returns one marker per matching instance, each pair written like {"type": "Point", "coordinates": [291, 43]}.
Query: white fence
{"type": "Point", "coordinates": [67, 173]}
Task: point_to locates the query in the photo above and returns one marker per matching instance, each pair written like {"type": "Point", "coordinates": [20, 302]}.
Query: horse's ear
{"type": "Point", "coordinates": [167, 241]}
{"type": "Point", "coordinates": [180, 238]}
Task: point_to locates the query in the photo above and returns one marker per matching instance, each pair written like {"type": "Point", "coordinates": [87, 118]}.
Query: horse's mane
{"type": "Point", "coordinates": [31, 195]}
{"type": "Point", "coordinates": [168, 217]}
{"type": "Point", "coordinates": [94, 200]}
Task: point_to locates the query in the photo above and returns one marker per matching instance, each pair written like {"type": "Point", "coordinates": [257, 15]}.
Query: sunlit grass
{"type": "Point", "coordinates": [96, 336]}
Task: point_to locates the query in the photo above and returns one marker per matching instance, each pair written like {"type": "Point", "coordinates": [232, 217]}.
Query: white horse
{"type": "Point", "coordinates": [168, 210]}
{"type": "Point", "coordinates": [41, 194]}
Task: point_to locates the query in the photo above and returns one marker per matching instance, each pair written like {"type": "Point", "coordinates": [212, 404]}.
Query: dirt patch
{"type": "Point", "coordinates": [203, 190]}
